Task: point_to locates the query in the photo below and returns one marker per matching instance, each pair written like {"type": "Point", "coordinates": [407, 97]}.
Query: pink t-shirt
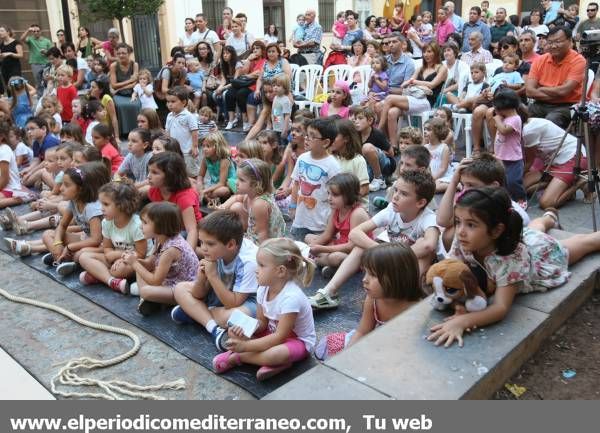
{"type": "Point", "coordinates": [344, 112]}
{"type": "Point", "coordinates": [444, 30]}
{"type": "Point", "coordinates": [507, 147]}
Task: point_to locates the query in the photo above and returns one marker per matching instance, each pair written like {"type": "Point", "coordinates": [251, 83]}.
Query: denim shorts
{"type": "Point", "coordinates": [213, 301]}
{"type": "Point", "coordinates": [386, 164]}
{"type": "Point", "coordinates": [299, 233]}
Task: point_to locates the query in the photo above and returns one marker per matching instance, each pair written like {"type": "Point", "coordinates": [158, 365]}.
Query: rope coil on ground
{"type": "Point", "coordinates": [114, 389]}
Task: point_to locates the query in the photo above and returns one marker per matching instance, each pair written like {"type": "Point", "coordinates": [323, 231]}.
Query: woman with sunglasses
{"type": "Point", "coordinates": [11, 52]}
{"type": "Point", "coordinates": [61, 39]}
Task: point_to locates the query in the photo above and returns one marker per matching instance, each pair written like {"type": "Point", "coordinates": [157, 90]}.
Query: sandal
{"type": "Point", "coordinates": [553, 213]}
{"type": "Point", "coordinates": [221, 361]}
{"type": "Point", "coordinates": [12, 216]}
{"type": "Point", "coordinates": [323, 301]}
{"type": "Point", "coordinates": [21, 228]}
{"type": "Point", "coordinates": [18, 247]}
{"type": "Point", "coordinates": [5, 222]}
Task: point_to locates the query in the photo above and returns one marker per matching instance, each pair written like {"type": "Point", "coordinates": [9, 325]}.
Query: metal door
{"type": "Point", "coordinates": [146, 45]}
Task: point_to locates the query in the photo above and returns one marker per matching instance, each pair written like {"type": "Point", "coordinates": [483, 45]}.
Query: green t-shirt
{"type": "Point", "coordinates": [35, 46]}
{"type": "Point", "coordinates": [498, 32]}
{"type": "Point", "coordinates": [588, 25]}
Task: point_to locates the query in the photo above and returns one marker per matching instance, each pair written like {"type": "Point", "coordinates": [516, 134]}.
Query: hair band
{"type": "Point", "coordinates": [80, 173]}
{"type": "Point", "coordinates": [256, 173]}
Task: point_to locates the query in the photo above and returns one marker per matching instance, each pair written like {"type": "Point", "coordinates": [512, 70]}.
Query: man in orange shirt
{"type": "Point", "coordinates": [555, 80]}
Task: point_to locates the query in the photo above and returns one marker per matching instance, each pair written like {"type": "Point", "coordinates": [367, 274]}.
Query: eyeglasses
{"type": "Point", "coordinates": [505, 47]}
{"type": "Point", "coordinates": [592, 10]}
{"type": "Point", "coordinates": [310, 138]}
{"type": "Point", "coordinates": [385, 43]}
{"type": "Point", "coordinates": [555, 42]}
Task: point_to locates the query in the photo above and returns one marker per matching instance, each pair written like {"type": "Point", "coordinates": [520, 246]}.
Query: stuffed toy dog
{"type": "Point", "coordinates": [454, 285]}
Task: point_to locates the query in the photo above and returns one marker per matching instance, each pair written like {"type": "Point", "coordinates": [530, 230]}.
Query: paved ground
{"type": "Point", "coordinates": [38, 339]}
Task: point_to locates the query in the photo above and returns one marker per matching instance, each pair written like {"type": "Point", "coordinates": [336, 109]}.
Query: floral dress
{"type": "Point", "coordinates": [185, 268]}
{"type": "Point", "coordinates": [538, 263]}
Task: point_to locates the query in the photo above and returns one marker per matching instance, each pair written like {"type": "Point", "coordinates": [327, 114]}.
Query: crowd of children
{"type": "Point", "coordinates": [137, 222]}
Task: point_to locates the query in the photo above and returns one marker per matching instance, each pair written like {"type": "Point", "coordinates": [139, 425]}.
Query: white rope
{"type": "Point", "coordinates": [114, 389]}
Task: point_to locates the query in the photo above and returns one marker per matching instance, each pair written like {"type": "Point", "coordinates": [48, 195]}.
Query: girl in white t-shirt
{"type": "Point", "coordinates": [11, 191]}
{"type": "Point", "coordinates": [286, 329]}
{"type": "Point", "coordinates": [23, 153]}
{"type": "Point", "coordinates": [144, 90]}
{"type": "Point", "coordinates": [121, 231]}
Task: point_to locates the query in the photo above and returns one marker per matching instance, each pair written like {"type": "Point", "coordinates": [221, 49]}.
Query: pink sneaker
{"type": "Point", "coordinates": [265, 372]}
{"type": "Point", "coordinates": [88, 279]}
{"type": "Point", "coordinates": [221, 361]}
{"type": "Point", "coordinates": [119, 285]}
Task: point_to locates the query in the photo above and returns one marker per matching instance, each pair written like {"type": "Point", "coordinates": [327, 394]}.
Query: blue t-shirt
{"type": "Point", "coordinates": [196, 79]}
{"type": "Point", "coordinates": [39, 150]}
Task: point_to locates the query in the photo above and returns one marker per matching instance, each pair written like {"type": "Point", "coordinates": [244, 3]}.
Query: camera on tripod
{"type": "Point", "coordinates": [590, 37]}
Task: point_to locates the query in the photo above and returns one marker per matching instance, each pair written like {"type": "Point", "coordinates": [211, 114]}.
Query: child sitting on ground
{"type": "Point", "coordinates": [23, 153]}
{"type": "Point", "coordinates": [217, 163]}
{"type": "Point", "coordinates": [11, 191]}
{"type": "Point", "coordinates": [226, 278]}
{"type": "Point", "coordinates": [121, 232]}
{"type": "Point", "coordinates": [255, 203]}
{"type": "Point", "coordinates": [80, 188]}
{"type": "Point", "coordinates": [308, 208]}
{"type": "Point", "coordinates": [172, 260]}
{"type": "Point", "coordinates": [407, 219]}
{"type": "Point", "coordinates": [408, 136]}
{"type": "Point", "coordinates": [393, 286]}
{"type": "Point", "coordinates": [286, 330]}
{"type": "Point", "coordinates": [331, 247]}
{"type": "Point", "coordinates": [294, 149]}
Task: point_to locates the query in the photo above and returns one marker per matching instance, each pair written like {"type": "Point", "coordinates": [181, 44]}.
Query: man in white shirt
{"type": "Point", "coordinates": [206, 34]}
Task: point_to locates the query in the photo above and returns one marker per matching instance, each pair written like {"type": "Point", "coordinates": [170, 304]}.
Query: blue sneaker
{"type": "Point", "coordinates": [219, 336]}
{"type": "Point", "coordinates": [180, 317]}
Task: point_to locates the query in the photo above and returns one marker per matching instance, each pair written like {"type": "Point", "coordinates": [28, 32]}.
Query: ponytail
{"type": "Point", "coordinates": [493, 206]}
{"type": "Point", "coordinates": [286, 253]}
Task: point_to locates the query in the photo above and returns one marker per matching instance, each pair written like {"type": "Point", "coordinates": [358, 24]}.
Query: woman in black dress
{"type": "Point", "coordinates": [11, 53]}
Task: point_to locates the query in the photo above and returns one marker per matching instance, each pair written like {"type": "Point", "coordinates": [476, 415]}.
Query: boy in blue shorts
{"type": "Point", "coordinates": [226, 278]}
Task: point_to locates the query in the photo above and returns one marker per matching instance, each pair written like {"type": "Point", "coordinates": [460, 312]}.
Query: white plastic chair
{"type": "Point", "coordinates": [338, 73]}
{"type": "Point", "coordinates": [490, 68]}
{"type": "Point", "coordinates": [295, 83]}
{"type": "Point", "coordinates": [312, 76]}
{"type": "Point", "coordinates": [464, 121]}
{"type": "Point", "coordinates": [365, 72]}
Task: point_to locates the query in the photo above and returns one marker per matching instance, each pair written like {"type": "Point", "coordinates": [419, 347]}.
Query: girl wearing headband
{"type": "Point", "coordinates": [338, 101]}
{"type": "Point", "coordinates": [255, 202]}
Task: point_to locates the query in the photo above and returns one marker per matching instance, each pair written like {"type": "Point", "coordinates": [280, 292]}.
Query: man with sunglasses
{"type": "Point", "coordinates": [38, 46]}
{"type": "Point", "coordinates": [592, 22]}
{"type": "Point", "coordinates": [555, 81]}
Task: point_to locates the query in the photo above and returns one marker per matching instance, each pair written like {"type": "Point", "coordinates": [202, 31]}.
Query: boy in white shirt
{"type": "Point", "coordinates": [183, 126]}
{"type": "Point", "coordinates": [406, 219]}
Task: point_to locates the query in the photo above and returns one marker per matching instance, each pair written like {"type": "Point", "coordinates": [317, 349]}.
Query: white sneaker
{"type": "Point", "coordinates": [230, 124]}
{"type": "Point", "coordinates": [377, 184]}
{"type": "Point", "coordinates": [246, 127]}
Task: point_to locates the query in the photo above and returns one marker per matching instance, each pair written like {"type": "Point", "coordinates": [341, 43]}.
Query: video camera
{"type": "Point", "coordinates": [590, 37]}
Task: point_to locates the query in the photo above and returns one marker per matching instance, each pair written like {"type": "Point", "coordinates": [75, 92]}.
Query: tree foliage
{"type": "Point", "coordinates": [119, 9]}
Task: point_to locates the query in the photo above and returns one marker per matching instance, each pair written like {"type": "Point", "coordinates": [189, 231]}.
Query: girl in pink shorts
{"type": "Point", "coordinates": [286, 329]}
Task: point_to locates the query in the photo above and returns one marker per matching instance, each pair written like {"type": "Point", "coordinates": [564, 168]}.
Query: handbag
{"type": "Point", "coordinates": [242, 81]}
{"type": "Point", "coordinates": [212, 83]}
{"type": "Point", "coordinates": [417, 92]}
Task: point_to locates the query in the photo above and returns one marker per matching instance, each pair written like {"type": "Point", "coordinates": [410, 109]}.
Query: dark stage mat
{"type": "Point", "coordinates": [192, 340]}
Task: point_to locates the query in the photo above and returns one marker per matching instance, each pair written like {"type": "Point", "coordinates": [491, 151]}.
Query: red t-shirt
{"type": "Point", "coordinates": [183, 199]}
{"type": "Point", "coordinates": [65, 96]}
{"type": "Point", "coordinates": [109, 152]}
